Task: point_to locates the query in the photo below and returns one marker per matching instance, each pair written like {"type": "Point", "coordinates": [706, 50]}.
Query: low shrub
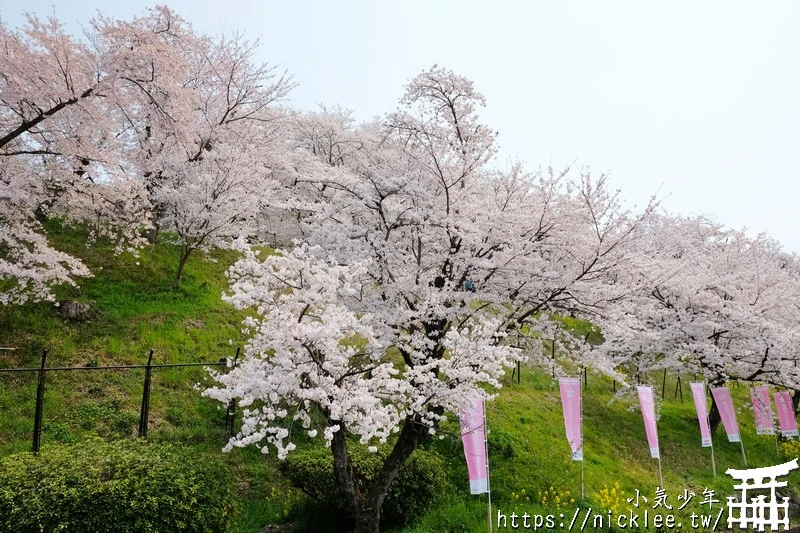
{"type": "Point", "coordinates": [128, 485]}
{"type": "Point", "coordinates": [420, 481]}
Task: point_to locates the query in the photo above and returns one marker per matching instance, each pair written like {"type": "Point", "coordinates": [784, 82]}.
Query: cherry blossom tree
{"type": "Point", "coordinates": [57, 155]}
{"type": "Point", "coordinates": [419, 262]}
{"type": "Point", "coordinates": [709, 301]}
{"type": "Point", "coordinates": [215, 200]}
{"type": "Point", "coordinates": [66, 108]}
{"type": "Point", "coordinates": [209, 177]}
{"type": "Point", "coordinates": [107, 130]}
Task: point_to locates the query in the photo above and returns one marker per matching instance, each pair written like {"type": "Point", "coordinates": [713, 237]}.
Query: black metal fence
{"type": "Point", "coordinates": [144, 412]}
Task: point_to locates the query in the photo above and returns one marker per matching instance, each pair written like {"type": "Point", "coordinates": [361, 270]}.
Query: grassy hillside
{"type": "Point", "coordinates": [135, 309]}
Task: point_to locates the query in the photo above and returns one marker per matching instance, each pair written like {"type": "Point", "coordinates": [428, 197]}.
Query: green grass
{"type": "Point", "coordinates": [136, 309]}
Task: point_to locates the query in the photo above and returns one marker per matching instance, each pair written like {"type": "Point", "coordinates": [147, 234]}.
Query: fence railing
{"type": "Point", "coordinates": [144, 412]}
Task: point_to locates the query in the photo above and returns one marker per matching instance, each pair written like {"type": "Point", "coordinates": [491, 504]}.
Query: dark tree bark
{"type": "Point", "coordinates": [26, 125]}
{"type": "Point", "coordinates": [348, 484]}
{"type": "Point", "coordinates": [714, 417]}
{"type": "Point", "coordinates": [153, 233]}
{"type": "Point", "coordinates": [366, 507]}
{"type": "Point", "coordinates": [186, 251]}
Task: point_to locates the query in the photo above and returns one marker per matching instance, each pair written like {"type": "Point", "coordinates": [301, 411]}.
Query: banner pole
{"type": "Point", "coordinates": [708, 423]}
{"type": "Point", "coordinates": [583, 451]}
{"type": "Point", "coordinates": [713, 463]}
{"type": "Point", "coordinates": [743, 455]}
{"type": "Point", "coordinates": [708, 419]}
{"type": "Point", "coordinates": [582, 460]}
{"type": "Point", "coordinates": [486, 445]}
{"type": "Point", "coordinates": [660, 475]}
{"type": "Point", "coordinates": [777, 449]}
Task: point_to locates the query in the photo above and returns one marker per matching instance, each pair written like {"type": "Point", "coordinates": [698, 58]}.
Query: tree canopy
{"type": "Point", "coordinates": [424, 267]}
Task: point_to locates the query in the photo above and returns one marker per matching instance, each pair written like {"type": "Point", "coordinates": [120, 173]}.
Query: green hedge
{"type": "Point", "coordinates": [420, 481]}
{"type": "Point", "coordinates": [128, 485]}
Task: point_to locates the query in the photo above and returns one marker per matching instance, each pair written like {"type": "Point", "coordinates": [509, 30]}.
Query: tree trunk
{"type": "Point", "coordinates": [714, 417]}
{"type": "Point", "coordinates": [366, 508]}
{"type": "Point", "coordinates": [153, 233]}
{"type": "Point", "coordinates": [185, 252]}
{"type": "Point", "coordinates": [366, 519]}
{"type": "Point", "coordinates": [795, 401]}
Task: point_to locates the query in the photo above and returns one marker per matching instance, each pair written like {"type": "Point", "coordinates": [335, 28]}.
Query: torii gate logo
{"type": "Point", "coordinates": [757, 511]}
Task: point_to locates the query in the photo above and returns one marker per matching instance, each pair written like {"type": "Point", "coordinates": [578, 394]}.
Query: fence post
{"type": "Point", "coordinates": [678, 388]}
{"type": "Point", "coordinates": [144, 414]}
{"type": "Point", "coordinates": [230, 416]}
{"type": "Point", "coordinates": [664, 384]}
{"type": "Point", "coordinates": [37, 420]}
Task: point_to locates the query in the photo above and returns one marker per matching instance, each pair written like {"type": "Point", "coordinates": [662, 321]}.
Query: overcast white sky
{"type": "Point", "coordinates": [695, 101]}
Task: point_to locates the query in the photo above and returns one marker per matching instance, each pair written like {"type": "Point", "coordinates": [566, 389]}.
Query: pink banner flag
{"type": "Point", "coordinates": [699, 395]}
{"type": "Point", "coordinates": [724, 402]}
{"type": "Point", "coordinates": [571, 403]}
{"type": "Point", "coordinates": [649, 415]}
{"type": "Point", "coordinates": [473, 435]}
{"type": "Point", "coordinates": [786, 418]}
{"type": "Point", "coordinates": [762, 409]}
